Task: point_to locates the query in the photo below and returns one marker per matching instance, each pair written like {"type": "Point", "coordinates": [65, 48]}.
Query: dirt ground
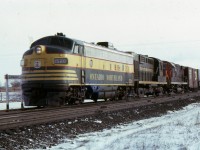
{"type": "Point", "coordinates": [46, 135]}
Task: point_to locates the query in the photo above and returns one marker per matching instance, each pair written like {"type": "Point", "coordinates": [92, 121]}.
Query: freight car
{"type": "Point", "coordinates": [199, 78]}
{"type": "Point", "coordinates": [57, 70]}
{"type": "Point", "coordinates": [191, 76]}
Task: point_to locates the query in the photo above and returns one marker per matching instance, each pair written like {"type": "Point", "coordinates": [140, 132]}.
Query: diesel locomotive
{"type": "Point", "coordinates": [57, 70]}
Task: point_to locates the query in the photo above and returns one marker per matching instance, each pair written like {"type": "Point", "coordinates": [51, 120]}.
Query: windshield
{"type": "Point", "coordinates": [54, 41]}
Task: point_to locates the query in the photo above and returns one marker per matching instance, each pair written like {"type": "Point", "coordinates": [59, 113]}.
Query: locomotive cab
{"type": "Point", "coordinates": [48, 70]}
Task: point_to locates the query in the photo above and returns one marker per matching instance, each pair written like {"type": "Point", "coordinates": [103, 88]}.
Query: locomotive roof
{"type": "Point", "coordinates": [49, 37]}
{"type": "Point", "coordinates": [79, 42]}
{"type": "Point", "coordinates": [155, 58]}
{"type": "Point", "coordinates": [172, 64]}
{"type": "Point", "coordinates": [108, 49]}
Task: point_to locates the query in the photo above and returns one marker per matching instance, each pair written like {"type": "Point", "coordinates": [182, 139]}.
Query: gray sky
{"type": "Point", "coordinates": [166, 29]}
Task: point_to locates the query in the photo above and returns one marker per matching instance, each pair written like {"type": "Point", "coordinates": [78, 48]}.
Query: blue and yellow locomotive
{"type": "Point", "coordinates": [57, 70]}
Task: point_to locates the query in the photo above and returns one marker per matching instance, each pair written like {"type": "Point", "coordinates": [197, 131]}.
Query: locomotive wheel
{"type": "Point", "coordinates": [81, 101]}
{"type": "Point", "coordinates": [95, 97]}
{"type": "Point", "coordinates": [71, 101]}
{"type": "Point", "coordinates": [113, 99]}
{"type": "Point", "coordinates": [141, 92]}
{"type": "Point", "coordinates": [75, 95]}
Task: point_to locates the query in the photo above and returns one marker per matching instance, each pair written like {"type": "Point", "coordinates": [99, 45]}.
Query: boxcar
{"type": "Point", "coordinates": [199, 78]}
{"type": "Point", "coordinates": [191, 77]}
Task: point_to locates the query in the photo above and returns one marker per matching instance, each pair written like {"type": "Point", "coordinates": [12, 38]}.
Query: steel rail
{"type": "Point", "coordinates": [18, 119]}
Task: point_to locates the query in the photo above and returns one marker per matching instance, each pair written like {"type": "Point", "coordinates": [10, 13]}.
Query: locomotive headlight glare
{"type": "Point", "coordinates": [38, 50]}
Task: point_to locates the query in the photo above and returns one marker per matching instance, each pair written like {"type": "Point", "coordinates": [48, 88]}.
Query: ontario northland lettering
{"type": "Point", "coordinates": [101, 77]}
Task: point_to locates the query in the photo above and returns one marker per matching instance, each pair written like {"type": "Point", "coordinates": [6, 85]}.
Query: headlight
{"type": "Point", "coordinates": [38, 50]}
{"type": "Point", "coordinates": [22, 63]}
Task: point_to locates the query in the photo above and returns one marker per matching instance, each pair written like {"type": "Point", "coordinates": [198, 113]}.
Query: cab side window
{"type": "Point", "coordinates": [78, 49]}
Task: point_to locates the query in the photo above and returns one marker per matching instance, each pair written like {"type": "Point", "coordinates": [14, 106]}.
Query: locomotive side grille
{"type": "Point", "coordinates": [136, 70]}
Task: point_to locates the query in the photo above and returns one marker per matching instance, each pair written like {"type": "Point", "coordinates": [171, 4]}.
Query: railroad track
{"type": "Point", "coordinates": [20, 118]}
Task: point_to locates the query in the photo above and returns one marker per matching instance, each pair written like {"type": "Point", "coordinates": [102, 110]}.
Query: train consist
{"type": "Point", "coordinates": [57, 70]}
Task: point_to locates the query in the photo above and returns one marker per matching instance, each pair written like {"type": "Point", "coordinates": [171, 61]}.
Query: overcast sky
{"type": "Point", "coordinates": [166, 29]}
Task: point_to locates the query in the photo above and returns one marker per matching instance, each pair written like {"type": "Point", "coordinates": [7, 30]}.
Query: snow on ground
{"type": "Point", "coordinates": [176, 130]}
{"type": "Point", "coordinates": [12, 105]}
{"type": "Point", "coordinates": [16, 96]}
{"type": "Point", "coordinates": [12, 96]}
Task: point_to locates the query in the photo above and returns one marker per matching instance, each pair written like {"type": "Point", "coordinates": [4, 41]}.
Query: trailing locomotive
{"type": "Point", "coordinates": [57, 70]}
{"type": "Point", "coordinates": [160, 77]}
{"type": "Point", "coordinates": [151, 78]}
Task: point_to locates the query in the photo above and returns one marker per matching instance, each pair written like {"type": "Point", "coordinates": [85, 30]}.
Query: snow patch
{"type": "Point", "coordinates": [176, 130]}
{"type": "Point", "coordinates": [97, 121]}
